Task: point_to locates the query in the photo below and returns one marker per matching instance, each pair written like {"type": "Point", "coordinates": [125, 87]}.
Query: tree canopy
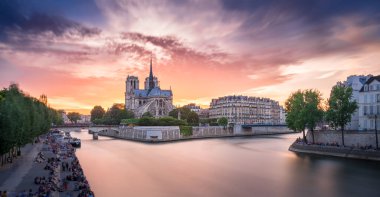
{"type": "Point", "coordinates": [97, 112]}
{"type": "Point", "coordinates": [113, 115]}
{"type": "Point", "coordinates": [22, 118]}
{"type": "Point", "coordinates": [147, 114]}
{"type": "Point", "coordinates": [294, 106]}
{"type": "Point", "coordinates": [163, 121]}
{"type": "Point", "coordinates": [74, 117]}
{"type": "Point", "coordinates": [186, 114]}
{"type": "Point", "coordinates": [340, 107]}
{"type": "Point", "coordinates": [304, 110]}
{"type": "Point", "coordinates": [223, 121]}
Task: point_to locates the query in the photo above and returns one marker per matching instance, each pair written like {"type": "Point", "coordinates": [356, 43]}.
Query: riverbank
{"type": "Point", "coordinates": [186, 138]}
{"type": "Point", "coordinates": [335, 151]}
{"type": "Point", "coordinates": [51, 168]}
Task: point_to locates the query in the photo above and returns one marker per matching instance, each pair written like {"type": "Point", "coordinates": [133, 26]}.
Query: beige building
{"type": "Point", "coordinates": [193, 107]}
{"type": "Point", "coordinates": [246, 110]}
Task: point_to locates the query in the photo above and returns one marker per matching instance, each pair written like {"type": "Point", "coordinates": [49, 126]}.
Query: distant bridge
{"type": "Point", "coordinates": [93, 128]}
{"type": "Point", "coordinates": [248, 126]}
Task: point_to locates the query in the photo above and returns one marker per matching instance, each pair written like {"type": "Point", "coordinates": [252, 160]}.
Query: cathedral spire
{"type": "Point", "coordinates": [151, 79]}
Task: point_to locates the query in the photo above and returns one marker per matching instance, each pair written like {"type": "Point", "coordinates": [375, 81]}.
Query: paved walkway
{"type": "Point", "coordinates": [12, 174]}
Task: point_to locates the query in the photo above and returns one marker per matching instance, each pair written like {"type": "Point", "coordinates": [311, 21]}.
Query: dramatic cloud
{"type": "Point", "coordinates": [201, 49]}
{"type": "Point", "coordinates": [17, 26]}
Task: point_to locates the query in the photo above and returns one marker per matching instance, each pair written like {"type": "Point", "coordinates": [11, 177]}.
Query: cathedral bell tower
{"type": "Point", "coordinates": [131, 84]}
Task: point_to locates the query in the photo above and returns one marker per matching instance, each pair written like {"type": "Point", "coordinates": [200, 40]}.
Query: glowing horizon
{"type": "Point", "coordinates": [79, 53]}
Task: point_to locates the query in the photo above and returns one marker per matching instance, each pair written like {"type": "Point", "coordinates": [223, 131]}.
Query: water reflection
{"type": "Point", "coordinates": [256, 166]}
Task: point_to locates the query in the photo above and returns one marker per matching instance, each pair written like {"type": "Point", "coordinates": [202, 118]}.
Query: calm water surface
{"type": "Point", "coordinates": [256, 166]}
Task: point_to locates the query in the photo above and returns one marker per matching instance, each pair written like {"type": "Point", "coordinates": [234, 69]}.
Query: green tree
{"type": "Point", "coordinates": [147, 121]}
{"type": "Point", "coordinates": [22, 118]}
{"type": "Point", "coordinates": [223, 121]}
{"type": "Point", "coordinates": [115, 114]}
{"type": "Point", "coordinates": [127, 114]}
{"type": "Point", "coordinates": [184, 111]}
{"type": "Point", "coordinates": [192, 118]}
{"type": "Point", "coordinates": [294, 107]}
{"type": "Point", "coordinates": [147, 114]}
{"type": "Point", "coordinates": [312, 112]}
{"type": "Point", "coordinates": [73, 117]}
{"type": "Point", "coordinates": [97, 113]}
{"type": "Point", "coordinates": [340, 107]}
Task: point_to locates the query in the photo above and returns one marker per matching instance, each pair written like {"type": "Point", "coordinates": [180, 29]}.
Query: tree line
{"type": "Point", "coordinates": [22, 119]}
{"type": "Point", "coordinates": [182, 116]}
{"type": "Point", "coordinates": [112, 116]}
{"type": "Point", "coordinates": [305, 109]}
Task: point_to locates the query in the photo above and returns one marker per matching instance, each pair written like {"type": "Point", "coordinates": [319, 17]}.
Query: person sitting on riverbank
{"type": "Point", "coordinates": [366, 147]}
{"type": "Point", "coordinates": [40, 158]}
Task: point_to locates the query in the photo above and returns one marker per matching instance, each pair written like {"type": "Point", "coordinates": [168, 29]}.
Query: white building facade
{"type": "Point", "coordinates": [369, 104]}
{"type": "Point", "coordinates": [282, 115]}
{"type": "Point", "coordinates": [246, 110]}
{"type": "Point", "coordinates": [356, 82]}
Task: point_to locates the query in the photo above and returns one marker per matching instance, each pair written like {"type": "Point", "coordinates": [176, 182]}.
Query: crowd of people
{"type": "Point", "coordinates": [64, 173]}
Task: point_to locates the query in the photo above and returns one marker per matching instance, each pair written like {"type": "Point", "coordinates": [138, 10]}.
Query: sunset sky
{"type": "Point", "coordinates": [79, 52]}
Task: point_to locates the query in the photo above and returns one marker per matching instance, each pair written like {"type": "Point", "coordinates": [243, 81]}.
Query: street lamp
{"type": "Point", "coordinates": [377, 141]}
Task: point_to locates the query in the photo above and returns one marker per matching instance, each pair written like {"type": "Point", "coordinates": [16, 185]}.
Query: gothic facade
{"type": "Point", "coordinates": [150, 99]}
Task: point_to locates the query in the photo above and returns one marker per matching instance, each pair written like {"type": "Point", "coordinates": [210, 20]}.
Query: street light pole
{"type": "Point", "coordinates": [377, 141]}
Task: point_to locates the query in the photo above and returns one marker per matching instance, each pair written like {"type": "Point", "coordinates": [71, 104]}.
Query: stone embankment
{"type": "Point", "coordinates": [170, 133]}
{"type": "Point", "coordinates": [358, 145]}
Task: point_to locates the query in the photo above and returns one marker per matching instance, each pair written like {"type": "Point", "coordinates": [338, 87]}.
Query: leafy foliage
{"type": "Point", "coordinates": [147, 114]}
{"type": "Point", "coordinates": [223, 121]}
{"type": "Point", "coordinates": [130, 121]}
{"type": "Point", "coordinates": [210, 121]}
{"type": "Point", "coordinates": [304, 110]}
{"type": "Point", "coordinates": [294, 106]}
{"type": "Point", "coordinates": [113, 115]}
{"type": "Point", "coordinates": [97, 113]}
{"type": "Point", "coordinates": [340, 107]}
{"type": "Point", "coordinates": [22, 118]}
{"type": "Point", "coordinates": [192, 118]}
{"type": "Point", "coordinates": [164, 121]}
{"type": "Point", "coordinates": [186, 114]}
{"type": "Point", "coordinates": [74, 117]}
{"type": "Point", "coordinates": [186, 130]}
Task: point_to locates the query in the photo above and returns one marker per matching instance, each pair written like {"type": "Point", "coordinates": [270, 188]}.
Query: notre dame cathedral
{"type": "Point", "coordinates": [150, 99]}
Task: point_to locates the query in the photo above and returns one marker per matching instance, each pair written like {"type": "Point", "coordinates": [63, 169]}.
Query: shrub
{"type": "Point", "coordinates": [186, 130]}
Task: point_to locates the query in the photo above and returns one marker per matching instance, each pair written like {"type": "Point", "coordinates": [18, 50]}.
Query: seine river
{"type": "Point", "coordinates": [255, 166]}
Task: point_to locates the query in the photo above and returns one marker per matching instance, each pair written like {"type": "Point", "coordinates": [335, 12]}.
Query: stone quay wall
{"type": "Point", "coordinates": [351, 138]}
{"type": "Point", "coordinates": [143, 133]}
{"type": "Point", "coordinates": [262, 129]}
{"type": "Point", "coordinates": [172, 133]}
{"type": "Point", "coordinates": [346, 152]}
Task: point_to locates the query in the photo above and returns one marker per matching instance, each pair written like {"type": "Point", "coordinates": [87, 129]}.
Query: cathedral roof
{"type": "Point", "coordinates": [153, 92]}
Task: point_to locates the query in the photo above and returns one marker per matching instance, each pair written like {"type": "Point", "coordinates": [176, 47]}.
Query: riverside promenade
{"type": "Point", "coordinates": [335, 150]}
{"type": "Point", "coordinates": [48, 168]}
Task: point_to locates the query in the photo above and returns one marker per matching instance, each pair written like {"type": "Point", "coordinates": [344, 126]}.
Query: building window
{"type": "Point", "coordinates": [366, 87]}
{"type": "Point", "coordinates": [371, 109]}
{"type": "Point", "coordinates": [378, 98]}
{"type": "Point", "coordinates": [365, 110]}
